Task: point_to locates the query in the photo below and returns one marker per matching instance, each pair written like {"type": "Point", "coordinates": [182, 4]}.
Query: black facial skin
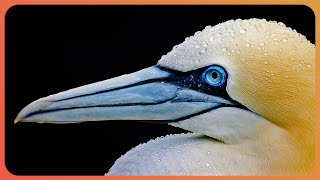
{"type": "Point", "coordinates": [192, 80]}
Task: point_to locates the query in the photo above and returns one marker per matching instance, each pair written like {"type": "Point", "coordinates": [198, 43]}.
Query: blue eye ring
{"type": "Point", "coordinates": [215, 76]}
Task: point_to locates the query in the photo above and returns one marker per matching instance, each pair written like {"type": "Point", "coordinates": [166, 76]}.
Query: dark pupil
{"type": "Point", "coordinates": [214, 75]}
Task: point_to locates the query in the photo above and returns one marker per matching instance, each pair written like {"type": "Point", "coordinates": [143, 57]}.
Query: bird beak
{"type": "Point", "coordinates": [150, 94]}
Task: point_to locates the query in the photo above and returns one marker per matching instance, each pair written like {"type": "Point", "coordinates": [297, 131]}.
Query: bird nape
{"type": "Point", "coordinates": [244, 88]}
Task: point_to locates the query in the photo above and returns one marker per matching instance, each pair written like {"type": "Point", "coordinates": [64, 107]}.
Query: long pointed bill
{"type": "Point", "coordinates": [149, 94]}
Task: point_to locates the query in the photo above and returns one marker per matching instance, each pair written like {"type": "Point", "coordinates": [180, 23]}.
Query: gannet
{"type": "Point", "coordinates": [245, 89]}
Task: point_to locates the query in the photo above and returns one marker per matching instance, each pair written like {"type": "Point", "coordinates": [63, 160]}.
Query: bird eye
{"type": "Point", "coordinates": [214, 75]}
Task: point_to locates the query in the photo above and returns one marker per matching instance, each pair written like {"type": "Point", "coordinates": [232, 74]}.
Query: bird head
{"type": "Point", "coordinates": [271, 71]}
{"type": "Point", "coordinates": [229, 82]}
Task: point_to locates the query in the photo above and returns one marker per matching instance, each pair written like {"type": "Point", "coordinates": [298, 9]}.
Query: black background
{"type": "Point", "coordinates": [54, 48]}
